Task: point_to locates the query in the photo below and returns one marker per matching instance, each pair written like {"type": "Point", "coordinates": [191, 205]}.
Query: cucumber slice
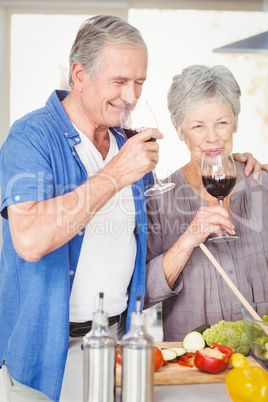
{"type": "Point", "coordinates": [169, 354]}
{"type": "Point", "coordinates": [193, 341]}
{"type": "Point", "coordinates": [179, 351]}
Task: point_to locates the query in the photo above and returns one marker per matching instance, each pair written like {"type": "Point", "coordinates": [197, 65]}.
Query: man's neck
{"type": "Point", "coordinates": [99, 136]}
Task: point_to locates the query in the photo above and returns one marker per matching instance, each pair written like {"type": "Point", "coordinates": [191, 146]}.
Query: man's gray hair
{"type": "Point", "coordinates": [96, 33]}
{"type": "Point", "coordinates": [198, 84]}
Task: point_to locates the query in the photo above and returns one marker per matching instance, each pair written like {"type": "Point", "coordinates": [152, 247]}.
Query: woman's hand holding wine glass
{"type": "Point", "coordinates": [219, 177]}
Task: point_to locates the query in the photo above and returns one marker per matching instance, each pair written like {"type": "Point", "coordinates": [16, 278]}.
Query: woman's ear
{"type": "Point", "coordinates": [180, 134]}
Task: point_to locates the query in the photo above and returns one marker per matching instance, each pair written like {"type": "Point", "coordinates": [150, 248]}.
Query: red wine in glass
{"type": "Point", "coordinates": [130, 133]}
{"type": "Point", "coordinates": [219, 177]}
{"type": "Point", "coordinates": [219, 186]}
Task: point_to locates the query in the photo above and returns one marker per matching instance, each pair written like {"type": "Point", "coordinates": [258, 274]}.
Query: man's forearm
{"type": "Point", "coordinates": [37, 228]}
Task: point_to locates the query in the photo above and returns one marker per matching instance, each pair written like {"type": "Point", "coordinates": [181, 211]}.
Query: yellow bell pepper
{"type": "Point", "coordinates": [239, 360]}
{"type": "Point", "coordinates": [247, 384]}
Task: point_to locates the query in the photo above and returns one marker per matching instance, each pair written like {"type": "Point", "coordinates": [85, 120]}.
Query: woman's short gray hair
{"type": "Point", "coordinates": [198, 84]}
{"type": "Point", "coordinates": [96, 33]}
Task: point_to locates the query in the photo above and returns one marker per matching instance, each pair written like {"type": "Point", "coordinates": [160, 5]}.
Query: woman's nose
{"type": "Point", "coordinates": [211, 134]}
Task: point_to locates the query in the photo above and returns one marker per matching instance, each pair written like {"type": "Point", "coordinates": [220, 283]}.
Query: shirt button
{"type": "Point", "coordinates": [227, 255]}
{"type": "Point", "coordinates": [73, 153]}
{"type": "Point", "coordinates": [71, 272]}
{"type": "Point", "coordinates": [80, 233]}
{"type": "Point", "coordinates": [66, 133]}
{"type": "Point", "coordinates": [77, 139]}
{"type": "Point", "coordinates": [230, 272]}
{"type": "Point", "coordinates": [17, 198]}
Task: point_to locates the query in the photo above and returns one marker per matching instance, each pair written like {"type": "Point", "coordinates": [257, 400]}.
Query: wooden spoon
{"type": "Point", "coordinates": [239, 295]}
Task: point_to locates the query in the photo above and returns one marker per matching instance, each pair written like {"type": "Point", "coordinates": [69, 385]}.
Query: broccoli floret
{"type": "Point", "coordinates": [230, 334]}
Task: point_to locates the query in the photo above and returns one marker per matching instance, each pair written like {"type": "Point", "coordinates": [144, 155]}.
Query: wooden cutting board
{"type": "Point", "coordinates": [173, 373]}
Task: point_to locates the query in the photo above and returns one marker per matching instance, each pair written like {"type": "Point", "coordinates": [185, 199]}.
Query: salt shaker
{"type": "Point", "coordinates": [137, 360]}
{"type": "Point", "coordinates": [99, 359]}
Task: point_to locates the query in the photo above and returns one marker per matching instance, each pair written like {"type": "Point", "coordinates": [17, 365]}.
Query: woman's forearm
{"type": "Point", "coordinates": [175, 259]}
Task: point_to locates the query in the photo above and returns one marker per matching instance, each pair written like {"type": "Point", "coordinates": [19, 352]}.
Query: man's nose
{"type": "Point", "coordinates": [129, 93]}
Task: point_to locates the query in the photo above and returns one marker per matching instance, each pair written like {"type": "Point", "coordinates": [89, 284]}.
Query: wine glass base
{"type": "Point", "coordinates": [223, 238]}
{"type": "Point", "coordinates": [157, 189]}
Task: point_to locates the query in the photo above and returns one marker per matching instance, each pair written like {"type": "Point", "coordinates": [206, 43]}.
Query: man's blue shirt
{"type": "Point", "coordinates": [39, 162]}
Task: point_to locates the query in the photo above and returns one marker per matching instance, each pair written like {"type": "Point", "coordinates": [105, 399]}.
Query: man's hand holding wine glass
{"type": "Point", "coordinates": [137, 157]}
{"type": "Point", "coordinates": [136, 118]}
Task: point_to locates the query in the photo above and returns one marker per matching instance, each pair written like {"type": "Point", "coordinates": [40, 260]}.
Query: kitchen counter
{"type": "Point", "coordinates": [169, 393]}
{"type": "Point", "coordinates": [188, 393]}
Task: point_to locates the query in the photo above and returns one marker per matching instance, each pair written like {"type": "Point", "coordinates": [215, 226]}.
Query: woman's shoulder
{"type": "Point", "coordinates": [176, 177]}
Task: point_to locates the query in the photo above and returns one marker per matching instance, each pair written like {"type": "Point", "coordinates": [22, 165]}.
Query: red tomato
{"type": "Point", "coordinates": [158, 358]}
{"type": "Point", "coordinates": [118, 354]}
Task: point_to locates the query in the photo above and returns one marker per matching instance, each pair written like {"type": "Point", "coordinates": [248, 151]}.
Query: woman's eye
{"type": "Point", "coordinates": [197, 127]}
{"type": "Point", "coordinates": [222, 123]}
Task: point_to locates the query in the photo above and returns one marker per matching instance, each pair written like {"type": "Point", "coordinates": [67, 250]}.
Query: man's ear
{"type": "Point", "coordinates": [78, 73]}
{"type": "Point", "coordinates": [180, 134]}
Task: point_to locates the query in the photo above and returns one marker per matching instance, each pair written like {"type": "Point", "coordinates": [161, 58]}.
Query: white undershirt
{"type": "Point", "coordinates": [108, 252]}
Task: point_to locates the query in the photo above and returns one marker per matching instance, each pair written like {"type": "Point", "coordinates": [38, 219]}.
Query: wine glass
{"type": "Point", "coordinates": [219, 177]}
{"type": "Point", "coordinates": [136, 117]}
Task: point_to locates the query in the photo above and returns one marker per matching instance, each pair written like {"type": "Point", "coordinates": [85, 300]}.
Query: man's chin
{"type": "Point", "coordinates": [114, 121]}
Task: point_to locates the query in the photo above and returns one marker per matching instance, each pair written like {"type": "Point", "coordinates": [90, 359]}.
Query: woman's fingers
{"type": "Point", "coordinates": [206, 221]}
{"type": "Point", "coordinates": [216, 216]}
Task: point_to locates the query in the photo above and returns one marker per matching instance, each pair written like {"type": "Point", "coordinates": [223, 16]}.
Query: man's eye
{"type": "Point", "coordinates": [120, 82]}
{"type": "Point", "coordinates": [222, 123]}
{"type": "Point", "coordinates": [197, 127]}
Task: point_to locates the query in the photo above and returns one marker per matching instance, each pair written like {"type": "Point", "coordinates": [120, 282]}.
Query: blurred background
{"type": "Point", "coordinates": [36, 37]}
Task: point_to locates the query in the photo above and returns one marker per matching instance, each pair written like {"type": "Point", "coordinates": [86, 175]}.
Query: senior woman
{"type": "Point", "coordinates": [204, 104]}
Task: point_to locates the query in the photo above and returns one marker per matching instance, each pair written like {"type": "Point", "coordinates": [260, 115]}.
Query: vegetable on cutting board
{"type": "Point", "coordinates": [228, 333]}
{"type": "Point", "coordinates": [202, 328]}
{"type": "Point", "coordinates": [247, 384]}
{"type": "Point", "coordinates": [239, 360]}
{"type": "Point", "coordinates": [193, 341]}
{"type": "Point", "coordinates": [177, 355]}
{"type": "Point", "coordinates": [179, 351]}
{"type": "Point", "coordinates": [169, 354]}
{"type": "Point", "coordinates": [213, 360]}
{"type": "Point", "coordinates": [158, 358]}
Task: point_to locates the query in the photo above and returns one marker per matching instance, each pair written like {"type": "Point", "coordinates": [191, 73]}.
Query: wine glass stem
{"type": "Point", "coordinates": [221, 203]}
{"type": "Point", "coordinates": [156, 180]}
